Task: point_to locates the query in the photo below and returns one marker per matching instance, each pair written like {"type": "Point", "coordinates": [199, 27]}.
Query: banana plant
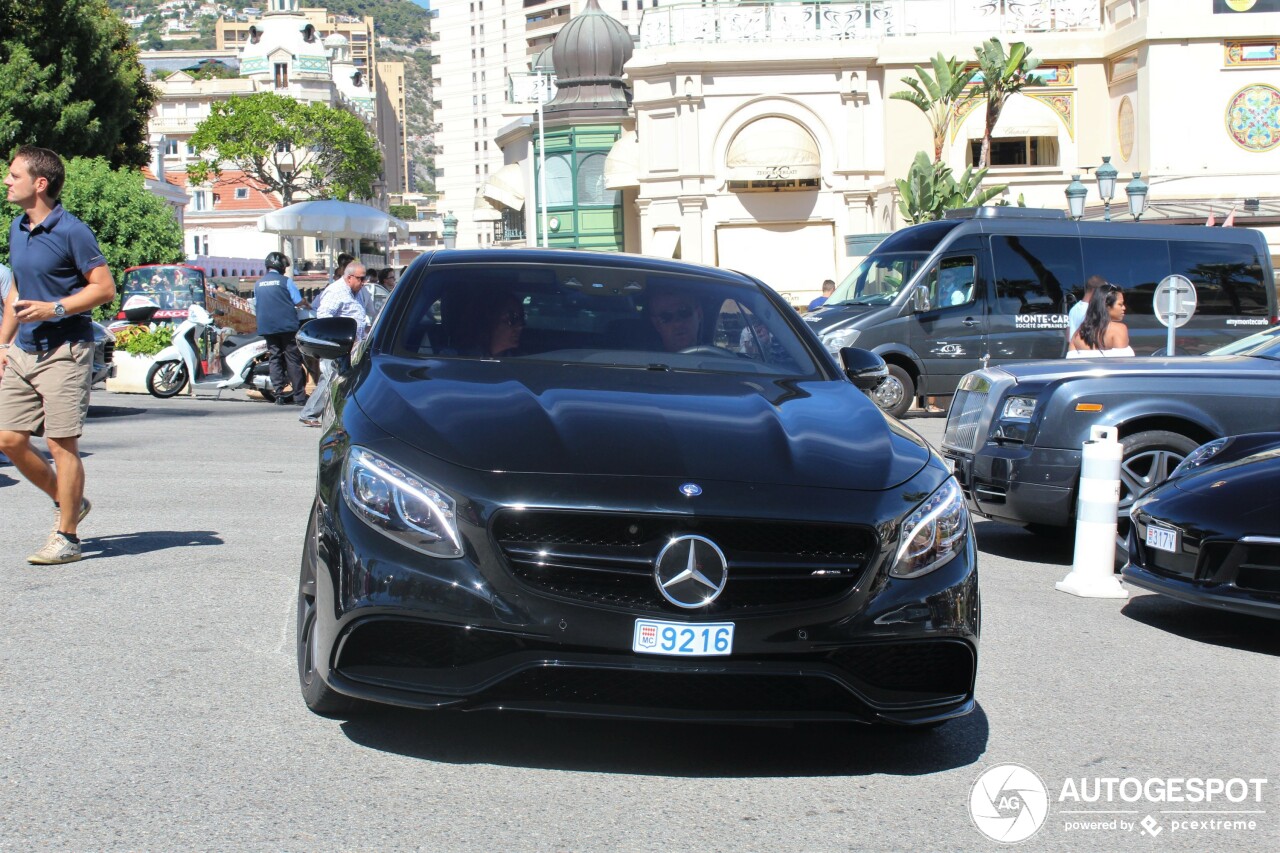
{"type": "Point", "coordinates": [938, 94]}
{"type": "Point", "coordinates": [930, 190]}
{"type": "Point", "coordinates": [1000, 76]}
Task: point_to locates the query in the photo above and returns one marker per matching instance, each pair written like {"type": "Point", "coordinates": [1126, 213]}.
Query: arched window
{"type": "Point", "coordinates": [591, 188]}
{"type": "Point", "coordinates": [559, 180]}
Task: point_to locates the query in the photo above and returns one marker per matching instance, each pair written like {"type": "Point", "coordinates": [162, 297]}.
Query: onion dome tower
{"type": "Point", "coordinates": [589, 54]}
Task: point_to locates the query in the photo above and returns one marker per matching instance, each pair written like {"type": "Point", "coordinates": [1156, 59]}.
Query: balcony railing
{"type": "Point", "coordinates": [732, 22]}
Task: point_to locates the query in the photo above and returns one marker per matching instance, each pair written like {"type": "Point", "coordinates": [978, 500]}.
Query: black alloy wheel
{"type": "Point", "coordinates": [1149, 458]}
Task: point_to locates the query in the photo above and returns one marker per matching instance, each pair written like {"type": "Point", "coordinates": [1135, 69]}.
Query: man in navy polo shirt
{"type": "Point", "coordinates": [60, 276]}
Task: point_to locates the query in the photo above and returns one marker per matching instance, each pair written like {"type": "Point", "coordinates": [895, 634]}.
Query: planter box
{"type": "Point", "coordinates": [131, 373]}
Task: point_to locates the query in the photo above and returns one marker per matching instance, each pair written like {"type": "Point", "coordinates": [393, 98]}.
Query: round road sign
{"type": "Point", "coordinates": [1174, 301]}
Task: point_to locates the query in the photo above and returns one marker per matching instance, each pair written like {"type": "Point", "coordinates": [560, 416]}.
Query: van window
{"type": "Point", "coordinates": [951, 282]}
{"type": "Point", "coordinates": [1136, 265]}
{"type": "Point", "coordinates": [1228, 277]}
{"type": "Point", "coordinates": [1033, 273]}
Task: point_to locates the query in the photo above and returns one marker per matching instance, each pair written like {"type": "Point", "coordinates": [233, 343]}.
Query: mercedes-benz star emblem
{"type": "Point", "coordinates": [691, 571]}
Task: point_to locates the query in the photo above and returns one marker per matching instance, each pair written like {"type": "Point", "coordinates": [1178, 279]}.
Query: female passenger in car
{"type": "Point", "coordinates": [496, 333]}
{"type": "Point", "coordinates": [1103, 332]}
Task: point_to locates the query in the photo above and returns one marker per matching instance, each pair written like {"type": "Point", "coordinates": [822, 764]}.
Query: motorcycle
{"type": "Point", "coordinates": [235, 361]}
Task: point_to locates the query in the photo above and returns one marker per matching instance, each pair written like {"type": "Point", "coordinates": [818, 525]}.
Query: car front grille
{"type": "Point", "coordinates": [451, 659]}
{"type": "Point", "coordinates": [962, 420]}
{"type": "Point", "coordinates": [608, 558]}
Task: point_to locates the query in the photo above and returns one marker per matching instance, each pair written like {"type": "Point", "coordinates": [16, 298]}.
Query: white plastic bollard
{"type": "Point", "coordinates": [1093, 569]}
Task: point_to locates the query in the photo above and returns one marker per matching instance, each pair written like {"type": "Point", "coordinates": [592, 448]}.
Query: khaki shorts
{"type": "Point", "coordinates": [47, 393]}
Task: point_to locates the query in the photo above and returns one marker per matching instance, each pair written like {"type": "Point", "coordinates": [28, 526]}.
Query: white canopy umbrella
{"type": "Point", "coordinates": [331, 219]}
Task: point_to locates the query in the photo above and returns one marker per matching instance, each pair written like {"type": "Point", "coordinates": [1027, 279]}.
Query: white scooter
{"type": "Point", "coordinates": [243, 360]}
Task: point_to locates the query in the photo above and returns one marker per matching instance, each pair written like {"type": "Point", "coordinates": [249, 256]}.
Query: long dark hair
{"type": "Point", "coordinates": [1093, 331]}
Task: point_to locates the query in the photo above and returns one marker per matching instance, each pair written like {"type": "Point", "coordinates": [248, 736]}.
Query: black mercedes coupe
{"type": "Point", "coordinates": [602, 484]}
{"type": "Point", "coordinates": [1211, 534]}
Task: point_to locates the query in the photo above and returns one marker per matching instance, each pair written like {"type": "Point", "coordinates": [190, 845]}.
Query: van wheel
{"type": "Point", "coordinates": [895, 393]}
{"type": "Point", "coordinates": [1149, 458]}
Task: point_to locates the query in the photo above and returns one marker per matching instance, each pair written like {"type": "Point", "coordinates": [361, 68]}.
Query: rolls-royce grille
{"type": "Point", "coordinates": [608, 559]}
{"type": "Point", "coordinates": [962, 422]}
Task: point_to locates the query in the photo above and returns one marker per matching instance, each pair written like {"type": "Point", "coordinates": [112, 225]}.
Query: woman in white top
{"type": "Point", "coordinates": [1103, 332]}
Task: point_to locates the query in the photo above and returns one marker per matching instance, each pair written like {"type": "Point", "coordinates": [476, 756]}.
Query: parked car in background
{"type": "Point", "coordinates": [1210, 535]}
{"type": "Point", "coordinates": [602, 484]}
{"type": "Point", "coordinates": [1014, 433]}
{"type": "Point", "coordinates": [993, 285]}
{"type": "Point", "coordinates": [172, 287]}
{"type": "Point", "coordinates": [104, 351]}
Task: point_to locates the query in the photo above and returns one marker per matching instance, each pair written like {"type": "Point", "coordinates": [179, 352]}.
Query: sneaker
{"type": "Point", "coordinates": [85, 506]}
{"type": "Point", "coordinates": [284, 401]}
{"type": "Point", "coordinates": [311, 422]}
{"type": "Point", "coordinates": [57, 549]}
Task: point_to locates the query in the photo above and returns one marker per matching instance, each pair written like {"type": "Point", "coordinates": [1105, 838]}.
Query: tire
{"type": "Point", "coordinates": [895, 393]}
{"type": "Point", "coordinates": [1149, 458]}
{"type": "Point", "coordinates": [166, 379]}
{"type": "Point", "coordinates": [320, 698]}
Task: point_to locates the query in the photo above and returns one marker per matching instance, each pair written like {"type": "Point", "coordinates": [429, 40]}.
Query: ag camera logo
{"type": "Point", "coordinates": [1009, 803]}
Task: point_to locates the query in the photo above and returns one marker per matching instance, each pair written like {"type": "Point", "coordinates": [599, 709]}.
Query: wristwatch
{"type": "Point", "coordinates": [58, 310]}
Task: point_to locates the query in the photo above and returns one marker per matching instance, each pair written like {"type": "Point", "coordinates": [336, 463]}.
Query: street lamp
{"type": "Point", "coordinates": [1137, 191]}
{"type": "Point", "coordinates": [1076, 193]}
{"type": "Point", "coordinates": [543, 87]}
{"type": "Point", "coordinates": [450, 232]}
{"type": "Point", "coordinates": [1106, 175]}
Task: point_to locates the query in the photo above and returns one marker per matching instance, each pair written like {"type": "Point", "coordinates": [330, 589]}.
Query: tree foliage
{"type": "Point", "coordinates": [930, 190]}
{"type": "Point", "coordinates": [938, 94]}
{"type": "Point", "coordinates": [288, 147]}
{"type": "Point", "coordinates": [133, 225]}
{"type": "Point", "coordinates": [1002, 75]}
{"type": "Point", "coordinates": [70, 80]}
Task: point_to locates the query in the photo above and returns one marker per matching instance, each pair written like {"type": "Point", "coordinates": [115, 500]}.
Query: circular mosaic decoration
{"type": "Point", "coordinates": [1124, 128]}
{"type": "Point", "coordinates": [1253, 118]}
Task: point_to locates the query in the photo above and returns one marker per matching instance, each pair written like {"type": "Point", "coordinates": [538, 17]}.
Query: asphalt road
{"type": "Point", "coordinates": [150, 698]}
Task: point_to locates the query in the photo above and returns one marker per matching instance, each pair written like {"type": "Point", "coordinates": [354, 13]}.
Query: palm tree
{"type": "Point", "coordinates": [930, 190]}
{"type": "Point", "coordinates": [1001, 76]}
{"type": "Point", "coordinates": [936, 96]}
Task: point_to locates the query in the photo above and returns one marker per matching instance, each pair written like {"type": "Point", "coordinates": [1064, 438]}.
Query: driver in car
{"type": "Point", "coordinates": [677, 317]}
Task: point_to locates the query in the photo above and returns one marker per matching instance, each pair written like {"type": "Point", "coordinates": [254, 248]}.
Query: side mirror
{"type": "Point", "coordinates": [865, 369]}
{"type": "Point", "coordinates": [327, 337]}
{"type": "Point", "coordinates": [919, 300]}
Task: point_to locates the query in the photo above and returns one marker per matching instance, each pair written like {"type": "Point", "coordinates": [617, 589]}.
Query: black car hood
{"type": "Point", "coordinates": [538, 418]}
{"type": "Point", "coordinates": [1255, 475]}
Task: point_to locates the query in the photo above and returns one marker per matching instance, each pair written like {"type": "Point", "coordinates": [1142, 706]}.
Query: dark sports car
{"type": "Point", "coordinates": [610, 485]}
{"type": "Point", "coordinates": [1211, 534]}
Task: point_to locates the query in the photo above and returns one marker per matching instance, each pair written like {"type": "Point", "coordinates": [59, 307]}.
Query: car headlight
{"type": "Point", "coordinates": [933, 533]}
{"type": "Point", "coordinates": [1198, 457]}
{"type": "Point", "coordinates": [1019, 408]}
{"type": "Point", "coordinates": [840, 338]}
{"type": "Point", "coordinates": [394, 502]}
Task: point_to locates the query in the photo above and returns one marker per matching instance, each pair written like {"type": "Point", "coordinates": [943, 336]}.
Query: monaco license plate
{"type": "Point", "coordinates": [1162, 539]}
{"type": "Point", "coordinates": [682, 639]}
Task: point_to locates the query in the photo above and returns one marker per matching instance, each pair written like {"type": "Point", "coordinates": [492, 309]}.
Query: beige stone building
{"type": "Point", "coordinates": [761, 136]}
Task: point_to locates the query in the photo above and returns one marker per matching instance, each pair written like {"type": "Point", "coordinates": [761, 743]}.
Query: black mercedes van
{"type": "Point", "coordinates": [990, 285]}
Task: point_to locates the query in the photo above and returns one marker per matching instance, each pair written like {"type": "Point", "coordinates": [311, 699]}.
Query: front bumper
{"type": "Point", "coordinates": [1019, 484]}
{"type": "Point", "coordinates": [1215, 596]}
{"type": "Point", "coordinates": [399, 628]}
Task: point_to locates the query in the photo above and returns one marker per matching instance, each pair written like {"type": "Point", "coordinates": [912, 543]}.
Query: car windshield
{"type": "Point", "coordinates": [878, 279]}
{"type": "Point", "coordinates": [611, 316]}
{"type": "Point", "coordinates": [1264, 344]}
